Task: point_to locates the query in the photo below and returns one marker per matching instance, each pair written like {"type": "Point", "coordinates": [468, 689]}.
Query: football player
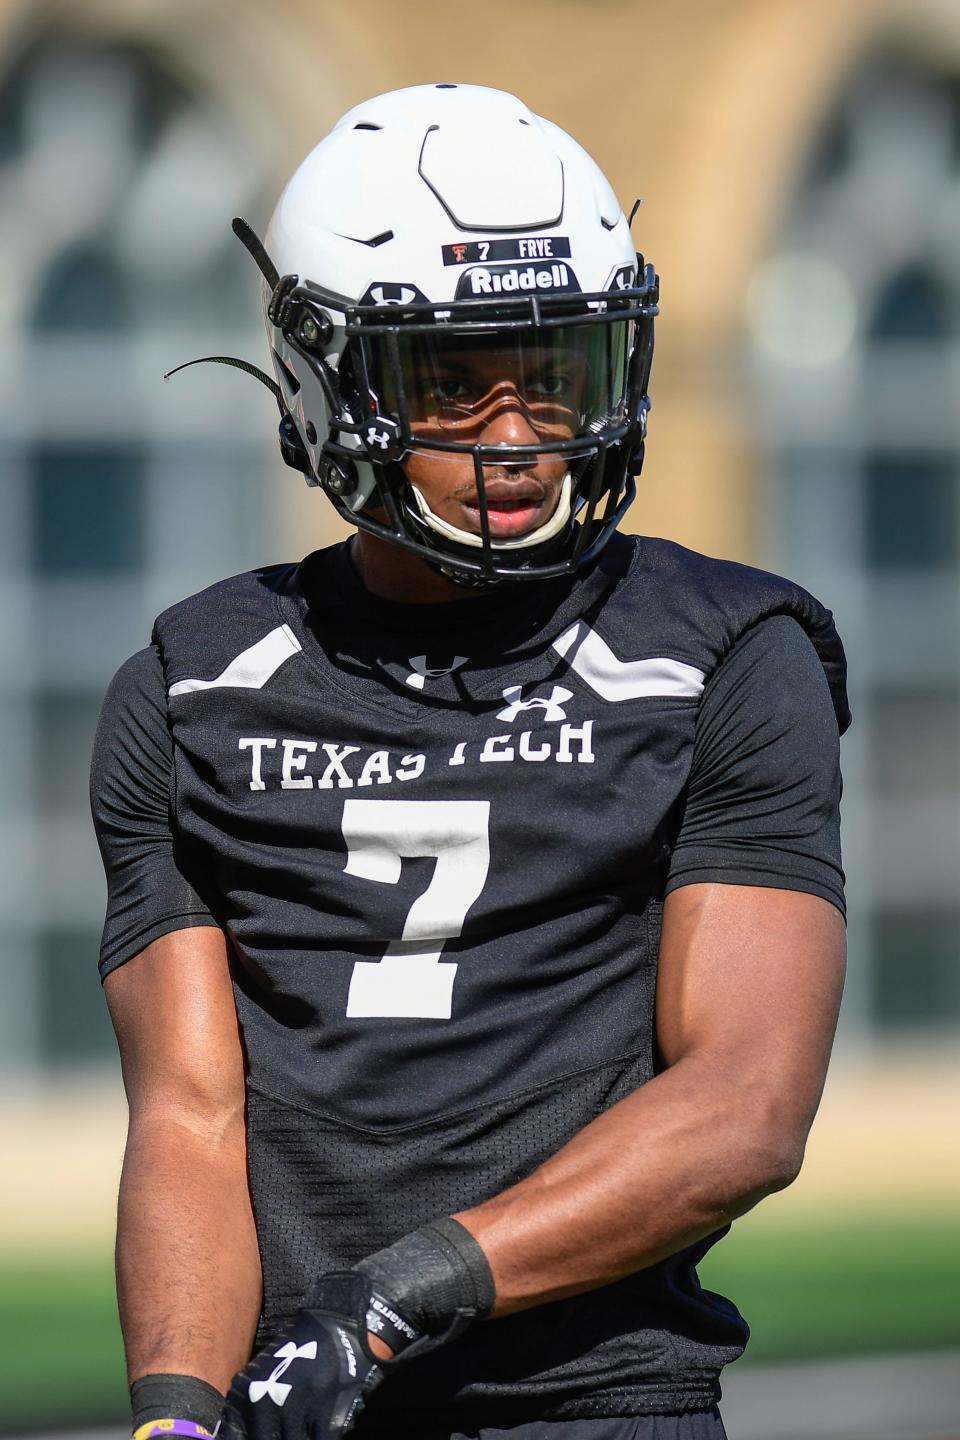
{"type": "Point", "coordinates": [474, 937]}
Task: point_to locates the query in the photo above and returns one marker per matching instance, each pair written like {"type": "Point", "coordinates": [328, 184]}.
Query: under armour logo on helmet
{"type": "Point", "coordinates": [552, 708]}
{"type": "Point", "coordinates": [392, 294]}
{"type": "Point", "coordinates": [273, 1386]}
{"type": "Point", "coordinates": [382, 434]}
{"type": "Point", "coordinates": [421, 671]}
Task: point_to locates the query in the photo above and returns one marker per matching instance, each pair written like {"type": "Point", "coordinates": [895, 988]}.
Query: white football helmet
{"type": "Point", "coordinates": [448, 217]}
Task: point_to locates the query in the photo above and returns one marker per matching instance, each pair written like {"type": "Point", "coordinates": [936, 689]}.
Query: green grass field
{"type": "Point", "coordinates": [60, 1357]}
{"type": "Point", "coordinates": [842, 1289]}
{"type": "Point", "coordinates": [823, 1290]}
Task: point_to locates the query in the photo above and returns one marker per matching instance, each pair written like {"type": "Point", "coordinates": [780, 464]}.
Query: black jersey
{"type": "Point", "coordinates": [439, 838]}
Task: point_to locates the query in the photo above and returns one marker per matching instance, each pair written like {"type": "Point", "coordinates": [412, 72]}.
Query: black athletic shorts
{"type": "Point", "coordinates": [696, 1425]}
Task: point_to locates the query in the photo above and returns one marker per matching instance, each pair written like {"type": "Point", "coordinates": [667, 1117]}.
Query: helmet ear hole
{"type": "Point", "coordinates": [353, 391]}
{"type": "Point", "coordinates": [292, 448]}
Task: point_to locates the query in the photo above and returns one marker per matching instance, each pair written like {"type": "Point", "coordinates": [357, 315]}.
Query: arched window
{"type": "Point", "coordinates": [117, 188]}
{"type": "Point", "coordinates": [863, 436]}
{"type": "Point", "coordinates": [84, 291]}
{"type": "Point", "coordinates": [914, 304]}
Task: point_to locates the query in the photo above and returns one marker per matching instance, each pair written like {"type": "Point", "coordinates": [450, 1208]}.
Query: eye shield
{"type": "Point", "coordinates": [566, 381]}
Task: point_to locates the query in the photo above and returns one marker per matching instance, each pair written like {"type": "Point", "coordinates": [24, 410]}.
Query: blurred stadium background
{"type": "Point", "coordinates": [799, 162]}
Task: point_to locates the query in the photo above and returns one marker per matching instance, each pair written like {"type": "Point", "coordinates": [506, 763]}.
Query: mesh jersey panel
{"type": "Point", "coordinates": [326, 1196]}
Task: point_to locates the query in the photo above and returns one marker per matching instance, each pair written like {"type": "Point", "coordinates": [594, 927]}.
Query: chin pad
{"type": "Point", "coordinates": [554, 526]}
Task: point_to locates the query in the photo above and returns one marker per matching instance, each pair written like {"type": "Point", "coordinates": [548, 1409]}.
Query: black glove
{"type": "Point", "coordinates": [314, 1380]}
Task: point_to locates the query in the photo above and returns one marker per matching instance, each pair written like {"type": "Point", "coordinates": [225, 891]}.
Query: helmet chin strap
{"type": "Point", "coordinates": [552, 527]}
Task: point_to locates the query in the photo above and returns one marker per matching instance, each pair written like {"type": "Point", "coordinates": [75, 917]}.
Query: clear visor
{"type": "Point", "coordinates": [567, 380]}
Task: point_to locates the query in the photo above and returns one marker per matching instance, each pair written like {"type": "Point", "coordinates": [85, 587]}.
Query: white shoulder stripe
{"type": "Point", "coordinates": [252, 668]}
{"type": "Point", "coordinates": [590, 657]}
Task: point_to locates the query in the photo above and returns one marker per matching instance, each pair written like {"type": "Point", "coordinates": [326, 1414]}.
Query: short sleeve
{"type": "Point", "coordinates": [763, 799]}
{"type": "Point", "coordinates": [148, 891]}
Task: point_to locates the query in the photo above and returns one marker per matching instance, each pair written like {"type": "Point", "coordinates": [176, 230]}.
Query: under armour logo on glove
{"type": "Point", "coordinates": [286, 1355]}
{"type": "Point", "coordinates": [323, 1399]}
{"type": "Point", "coordinates": [552, 708]}
{"type": "Point", "coordinates": [323, 1396]}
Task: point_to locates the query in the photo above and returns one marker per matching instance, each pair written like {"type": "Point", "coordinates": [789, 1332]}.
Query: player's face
{"type": "Point", "coordinates": [491, 394]}
{"type": "Point", "coordinates": [506, 388]}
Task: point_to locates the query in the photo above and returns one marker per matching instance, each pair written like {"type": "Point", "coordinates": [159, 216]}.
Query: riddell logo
{"type": "Point", "coordinates": [481, 280]}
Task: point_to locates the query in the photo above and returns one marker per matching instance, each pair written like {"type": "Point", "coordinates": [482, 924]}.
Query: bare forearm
{"type": "Point", "coordinates": [669, 1164]}
{"type": "Point", "coordinates": [748, 991]}
{"type": "Point", "coordinates": [188, 1269]}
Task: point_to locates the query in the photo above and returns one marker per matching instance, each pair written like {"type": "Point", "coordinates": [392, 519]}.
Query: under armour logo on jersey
{"type": "Point", "coordinates": [273, 1386]}
{"type": "Point", "coordinates": [552, 708]}
{"type": "Point", "coordinates": [421, 672]}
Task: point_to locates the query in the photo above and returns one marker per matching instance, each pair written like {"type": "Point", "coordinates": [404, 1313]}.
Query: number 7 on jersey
{"type": "Point", "coordinates": [411, 980]}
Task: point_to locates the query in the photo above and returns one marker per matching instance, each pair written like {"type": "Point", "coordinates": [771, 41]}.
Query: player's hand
{"type": "Point", "coordinates": [312, 1382]}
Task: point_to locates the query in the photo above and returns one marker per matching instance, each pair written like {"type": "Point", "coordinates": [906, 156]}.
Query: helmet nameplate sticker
{"type": "Point", "coordinates": [521, 247]}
